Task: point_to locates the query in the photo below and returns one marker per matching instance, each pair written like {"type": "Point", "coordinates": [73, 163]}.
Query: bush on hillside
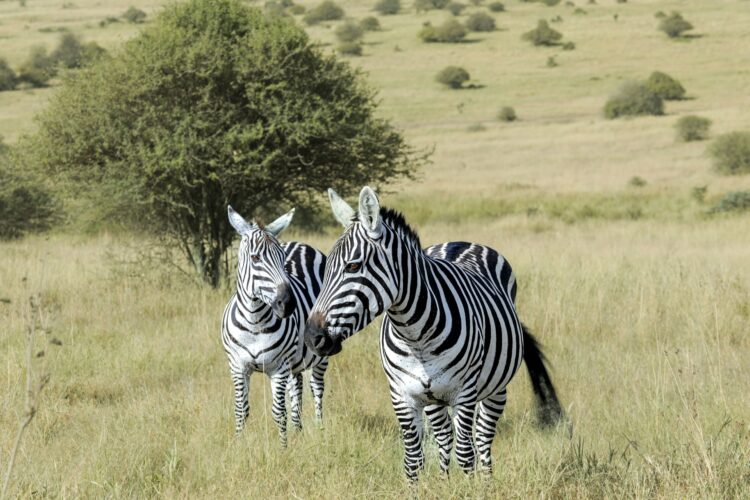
{"type": "Point", "coordinates": [542, 35]}
{"type": "Point", "coordinates": [736, 201]}
{"type": "Point", "coordinates": [134, 15]}
{"type": "Point", "coordinates": [692, 128]}
{"type": "Point", "coordinates": [297, 9]}
{"type": "Point", "coordinates": [451, 31]}
{"type": "Point", "coordinates": [388, 7]}
{"type": "Point", "coordinates": [72, 53]}
{"type": "Point", "coordinates": [325, 11]}
{"type": "Point", "coordinates": [425, 5]}
{"type": "Point", "coordinates": [453, 77]}
{"type": "Point", "coordinates": [26, 206]}
{"type": "Point", "coordinates": [370, 23]}
{"type": "Point", "coordinates": [480, 21]}
{"type": "Point", "coordinates": [496, 7]}
{"type": "Point", "coordinates": [38, 69]}
{"type": "Point", "coordinates": [349, 32]}
{"type": "Point", "coordinates": [674, 25]}
{"type": "Point", "coordinates": [455, 8]}
{"type": "Point", "coordinates": [568, 46]}
{"type": "Point", "coordinates": [8, 77]}
{"type": "Point", "coordinates": [352, 48]}
{"type": "Point", "coordinates": [213, 103]}
{"type": "Point", "coordinates": [665, 86]}
{"type": "Point", "coordinates": [633, 99]}
{"type": "Point", "coordinates": [731, 153]}
{"type": "Point", "coordinates": [507, 114]}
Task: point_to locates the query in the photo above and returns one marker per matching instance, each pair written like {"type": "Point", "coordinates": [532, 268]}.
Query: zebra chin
{"type": "Point", "coordinates": [318, 339]}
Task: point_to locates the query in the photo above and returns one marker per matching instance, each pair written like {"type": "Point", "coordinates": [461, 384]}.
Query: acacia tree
{"type": "Point", "coordinates": [214, 103]}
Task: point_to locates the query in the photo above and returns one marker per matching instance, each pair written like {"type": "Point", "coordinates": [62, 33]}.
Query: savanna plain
{"type": "Point", "coordinates": [640, 295]}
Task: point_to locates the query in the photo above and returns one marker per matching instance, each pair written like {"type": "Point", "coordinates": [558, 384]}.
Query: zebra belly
{"type": "Point", "coordinates": [267, 353]}
{"type": "Point", "coordinates": [422, 381]}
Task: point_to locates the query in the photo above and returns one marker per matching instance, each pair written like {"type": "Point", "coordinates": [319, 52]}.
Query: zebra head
{"type": "Point", "coordinates": [260, 264]}
{"type": "Point", "coordinates": [361, 279]}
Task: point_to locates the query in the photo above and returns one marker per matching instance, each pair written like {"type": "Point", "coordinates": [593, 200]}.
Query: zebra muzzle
{"type": "Point", "coordinates": [318, 339]}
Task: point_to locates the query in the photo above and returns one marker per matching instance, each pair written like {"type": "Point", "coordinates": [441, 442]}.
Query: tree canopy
{"type": "Point", "coordinates": [214, 103]}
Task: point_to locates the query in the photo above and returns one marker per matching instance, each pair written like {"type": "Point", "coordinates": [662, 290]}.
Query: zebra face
{"type": "Point", "coordinates": [261, 276]}
{"type": "Point", "coordinates": [360, 280]}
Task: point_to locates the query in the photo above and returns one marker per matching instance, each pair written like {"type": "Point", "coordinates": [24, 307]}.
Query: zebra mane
{"type": "Point", "coordinates": [398, 223]}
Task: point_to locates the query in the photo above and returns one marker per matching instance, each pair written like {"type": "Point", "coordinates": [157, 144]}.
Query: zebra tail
{"type": "Point", "coordinates": [549, 409]}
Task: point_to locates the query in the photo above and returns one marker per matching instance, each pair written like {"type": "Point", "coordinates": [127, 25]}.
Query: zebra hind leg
{"type": "Point", "coordinates": [295, 397]}
{"type": "Point", "coordinates": [440, 421]}
{"type": "Point", "coordinates": [317, 385]}
{"type": "Point", "coordinates": [241, 382]}
{"type": "Point", "coordinates": [278, 410]}
{"type": "Point", "coordinates": [489, 413]}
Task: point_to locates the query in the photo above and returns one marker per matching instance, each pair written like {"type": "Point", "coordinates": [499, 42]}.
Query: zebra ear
{"type": "Point", "coordinates": [238, 223]}
{"type": "Point", "coordinates": [341, 209]}
{"type": "Point", "coordinates": [277, 226]}
{"type": "Point", "coordinates": [369, 210]}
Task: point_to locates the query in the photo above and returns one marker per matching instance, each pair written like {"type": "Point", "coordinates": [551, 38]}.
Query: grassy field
{"type": "Point", "coordinates": [640, 297]}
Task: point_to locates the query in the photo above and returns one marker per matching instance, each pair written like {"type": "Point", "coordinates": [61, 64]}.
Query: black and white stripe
{"type": "Point", "coordinates": [263, 323]}
{"type": "Point", "coordinates": [451, 337]}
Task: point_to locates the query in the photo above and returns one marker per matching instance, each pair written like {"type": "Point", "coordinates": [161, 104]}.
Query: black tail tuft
{"type": "Point", "coordinates": [550, 411]}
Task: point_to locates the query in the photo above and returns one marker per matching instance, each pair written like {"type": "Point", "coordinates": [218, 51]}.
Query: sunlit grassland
{"type": "Point", "coordinates": [644, 322]}
{"type": "Point", "coordinates": [641, 299]}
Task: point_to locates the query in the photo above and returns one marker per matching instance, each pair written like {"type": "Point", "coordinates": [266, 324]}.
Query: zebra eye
{"type": "Point", "coordinates": [352, 267]}
{"type": "Point", "coordinates": [255, 257]}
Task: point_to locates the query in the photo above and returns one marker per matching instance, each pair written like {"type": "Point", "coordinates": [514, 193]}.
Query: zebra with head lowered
{"type": "Point", "coordinates": [451, 337]}
{"type": "Point", "coordinates": [263, 323]}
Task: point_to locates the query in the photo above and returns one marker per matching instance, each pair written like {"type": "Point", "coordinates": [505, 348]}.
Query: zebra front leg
{"type": "Point", "coordinates": [241, 382]}
{"type": "Point", "coordinates": [278, 409]}
{"type": "Point", "coordinates": [295, 396]}
{"type": "Point", "coordinates": [412, 430]}
{"type": "Point", "coordinates": [317, 386]}
{"type": "Point", "coordinates": [463, 423]}
{"type": "Point", "coordinates": [489, 413]}
{"type": "Point", "coordinates": [440, 421]}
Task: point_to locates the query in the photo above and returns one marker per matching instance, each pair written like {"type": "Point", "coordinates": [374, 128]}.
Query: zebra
{"type": "Point", "coordinates": [262, 326]}
{"type": "Point", "coordinates": [451, 337]}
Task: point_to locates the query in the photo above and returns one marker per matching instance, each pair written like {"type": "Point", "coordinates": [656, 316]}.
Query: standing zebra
{"type": "Point", "coordinates": [262, 328]}
{"type": "Point", "coordinates": [451, 336]}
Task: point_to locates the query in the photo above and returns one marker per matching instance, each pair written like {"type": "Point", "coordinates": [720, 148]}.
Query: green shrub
{"type": "Point", "coordinates": [370, 23]}
{"type": "Point", "coordinates": [349, 32]}
{"type": "Point", "coordinates": [8, 77]}
{"type": "Point", "coordinates": [325, 11]}
{"type": "Point", "coordinates": [351, 48]}
{"type": "Point", "coordinates": [108, 20]}
{"type": "Point", "coordinates": [476, 127]}
{"type": "Point", "coordinates": [665, 86]}
{"type": "Point", "coordinates": [633, 99]}
{"type": "Point", "coordinates": [451, 31]}
{"type": "Point", "coordinates": [274, 8]}
{"type": "Point", "coordinates": [580, 12]}
{"type": "Point", "coordinates": [297, 10]}
{"type": "Point", "coordinates": [453, 77]}
{"type": "Point", "coordinates": [674, 25]}
{"type": "Point", "coordinates": [731, 153]}
{"type": "Point", "coordinates": [134, 15]}
{"type": "Point", "coordinates": [455, 8]}
{"type": "Point", "coordinates": [542, 35]}
{"type": "Point", "coordinates": [496, 7]}
{"type": "Point", "coordinates": [737, 201]}
{"type": "Point", "coordinates": [692, 128]}
{"type": "Point", "coordinates": [507, 114]}
{"type": "Point", "coordinates": [38, 69]}
{"type": "Point", "coordinates": [480, 21]}
{"type": "Point", "coordinates": [26, 206]}
{"type": "Point", "coordinates": [550, 3]}
{"type": "Point", "coordinates": [69, 51]}
{"type": "Point", "coordinates": [425, 5]}
{"type": "Point", "coordinates": [660, 15]}
{"type": "Point", "coordinates": [552, 62]}
{"type": "Point", "coordinates": [637, 182]}
{"type": "Point", "coordinates": [569, 46]}
{"type": "Point", "coordinates": [388, 7]}
{"type": "Point", "coordinates": [698, 193]}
